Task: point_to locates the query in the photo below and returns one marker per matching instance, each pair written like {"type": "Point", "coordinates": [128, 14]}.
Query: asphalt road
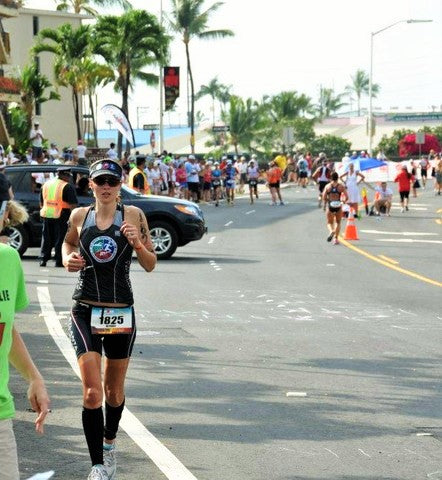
{"type": "Point", "coordinates": [264, 352]}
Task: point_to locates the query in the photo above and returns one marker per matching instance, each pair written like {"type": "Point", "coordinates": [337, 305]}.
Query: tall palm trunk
{"type": "Point", "coordinates": [94, 124]}
{"type": "Point", "coordinates": [192, 101]}
{"type": "Point", "coordinates": [75, 101]}
{"type": "Point", "coordinates": [213, 110]}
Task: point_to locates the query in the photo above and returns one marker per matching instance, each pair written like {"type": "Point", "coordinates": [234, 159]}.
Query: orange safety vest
{"type": "Point", "coordinates": [135, 171]}
{"type": "Point", "coordinates": [53, 203]}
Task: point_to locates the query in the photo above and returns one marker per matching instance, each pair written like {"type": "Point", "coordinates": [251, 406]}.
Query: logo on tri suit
{"type": "Point", "coordinates": [103, 249]}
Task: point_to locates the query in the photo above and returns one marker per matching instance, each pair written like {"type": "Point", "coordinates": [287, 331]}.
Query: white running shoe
{"type": "Point", "coordinates": [110, 462]}
{"type": "Point", "coordinates": [98, 472]}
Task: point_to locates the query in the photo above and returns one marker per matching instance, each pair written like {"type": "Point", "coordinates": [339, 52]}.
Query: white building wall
{"type": "Point", "coordinates": [57, 117]}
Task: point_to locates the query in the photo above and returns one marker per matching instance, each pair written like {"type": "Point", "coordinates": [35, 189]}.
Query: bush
{"type": "Point", "coordinates": [333, 146]}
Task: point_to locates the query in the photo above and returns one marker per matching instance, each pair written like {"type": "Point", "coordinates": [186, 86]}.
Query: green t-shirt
{"type": "Point", "coordinates": [13, 298]}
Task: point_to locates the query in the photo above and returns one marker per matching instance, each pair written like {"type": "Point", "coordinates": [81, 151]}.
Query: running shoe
{"type": "Point", "coordinates": [282, 203]}
{"type": "Point", "coordinates": [98, 473]}
{"type": "Point", "coordinates": [109, 460]}
{"type": "Point", "coordinates": [272, 204]}
{"type": "Point", "coordinates": [406, 208]}
{"type": "Point", "coordinates": [335, 241]}
{"type": "Point", "coordinates": [402, 210]}
{"type": "Point", "coordinates": [330, 237]}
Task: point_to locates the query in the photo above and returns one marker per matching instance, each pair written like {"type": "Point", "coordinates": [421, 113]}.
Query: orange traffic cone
{"type": "Point", "coordinates": [351, 232]}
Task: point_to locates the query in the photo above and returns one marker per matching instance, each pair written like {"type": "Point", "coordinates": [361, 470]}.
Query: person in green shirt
{"type": "Point", "coordinates": [13, 298]}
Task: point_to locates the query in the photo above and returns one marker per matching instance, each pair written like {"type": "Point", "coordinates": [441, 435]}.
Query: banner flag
{"type": "Point", "coordinates": [119, 121]}
{"type": "Point", "coordinates": [171, 77]}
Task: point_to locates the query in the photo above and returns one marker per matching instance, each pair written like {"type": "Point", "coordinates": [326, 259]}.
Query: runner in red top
{"type": "Point", "coordinates": [404, 180]}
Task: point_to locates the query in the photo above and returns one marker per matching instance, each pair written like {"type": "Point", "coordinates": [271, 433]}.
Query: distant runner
{"type": "Point", "coordinates": [334, 194]}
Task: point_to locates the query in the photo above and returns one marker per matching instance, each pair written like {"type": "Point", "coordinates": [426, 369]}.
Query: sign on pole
{"type": "Point", "coordinates": [151, 126]}
{"type": "Point", "coordinates": [220, 128]}
{"type": "Point", "coordinates": [420, 138]}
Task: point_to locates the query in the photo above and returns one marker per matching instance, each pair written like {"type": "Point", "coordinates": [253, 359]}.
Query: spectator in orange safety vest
{"type": "Point", "coordinates": [137, 177]}
{"type": "Point", "coordinates": [57, 199]}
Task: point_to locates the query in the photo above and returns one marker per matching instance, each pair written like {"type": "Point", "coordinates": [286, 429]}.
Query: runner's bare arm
{"type": "Point", "coordinates": [136, 230]}
{"type": "Point", "coordinates": [72, 260]}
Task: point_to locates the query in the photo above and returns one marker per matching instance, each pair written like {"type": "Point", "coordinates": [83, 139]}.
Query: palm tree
{"type": "Point", "coordinates": [190, 20]}
{"type": "Point", "coordinates": [85, 6]}
{"type": "Point", "coordinates": [129, 43]}
{"type": "Point", "coordinates": [71, 47]}
{"type": "Point", "coordinates": [329, 102]}
{"type": "Point", "coordinates": [213, 90]}
{"type": "Point", "coordinates": [287, 106]}
{"type": "Point", "coordinates": [95, 75]}
{"type": "Point", "coordinates": [224, 97]}
{"type": "Point", "coordinates": [34, 86]}
{"type": "Point", "coordinates": [243, 117]}
{"type": "Point", "coordinates": [360, 86]}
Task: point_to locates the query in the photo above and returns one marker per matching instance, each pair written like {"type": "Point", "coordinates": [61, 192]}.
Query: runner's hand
{"type": "Point", "coordinates": [74, 262]}
{"type": "Point", "coordinates": [132, 234]}
{"type": "Point", "coordinates": [39, 400]}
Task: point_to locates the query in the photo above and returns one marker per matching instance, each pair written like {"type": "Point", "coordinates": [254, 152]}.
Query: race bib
{"type": "Point", "coordinates": [216, 183]}
{"type": "Point", "coordinates": [252, 183]}
{"type": "Point", "coordinates": [335, 204]}
{"type": "Point", "coordinates": [111, 320]}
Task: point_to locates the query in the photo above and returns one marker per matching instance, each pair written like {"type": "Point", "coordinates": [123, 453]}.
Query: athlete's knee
{"type": "Point", "coordinates": [114, 397]}
{"type": "Point", "coordinates": [92, 397]}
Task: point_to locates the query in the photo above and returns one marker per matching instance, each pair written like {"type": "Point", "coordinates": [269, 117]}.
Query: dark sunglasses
{"type": "Point", "coordinates": [102, 179]}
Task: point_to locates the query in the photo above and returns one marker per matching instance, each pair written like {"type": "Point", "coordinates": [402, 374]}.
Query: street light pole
{"type": "Point", "coordinates": [370, 78]}
{"type": "Point", "coordinates": [161, 91]}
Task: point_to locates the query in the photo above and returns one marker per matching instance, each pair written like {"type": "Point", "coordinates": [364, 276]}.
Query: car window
{"type": "Point", "coordinates": [14, 178]}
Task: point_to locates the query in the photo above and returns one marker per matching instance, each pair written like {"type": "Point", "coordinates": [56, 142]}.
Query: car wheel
{"type": "Point", "coordinates": [164, 239]}
{"type": "Point", "coordinates": [18, 238]}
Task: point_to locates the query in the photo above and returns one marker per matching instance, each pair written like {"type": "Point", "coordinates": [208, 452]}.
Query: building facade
{"type": "Point", "coordinates": [9, 88]}
{"type": "Point", "coordinates": [56, 117]}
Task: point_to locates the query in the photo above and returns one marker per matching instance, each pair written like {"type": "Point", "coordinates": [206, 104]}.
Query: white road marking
{"type": "Point", "coordinates": [333, 453]}
{"type": "Point", "coordinates": [363, 453]}
{"type": "Point", "coordinates": [405, 234]}
{"type": "Point", "coordinates": [228, 223]}
{"type": "Point", "coordinates": [400, 328]}
{"type": "Point", "coordinates": [331, 265]}
{"type": "Point", "coordinates": [406, 240]}
{"type": "Point", "coordinates": [435, 475]}
{"type": "Point", "coordinates": [296, 394]}
{"type": "Point", "coordinates": [416, 453]}
{"type": "Point", "coordinates": [171, 467]}
{"type": "Point", "coordinates": [250, 211]}
{"type": "Point", "coordinates": [211, 240]}
{"type": "Point", "coordinates": [43, 281]}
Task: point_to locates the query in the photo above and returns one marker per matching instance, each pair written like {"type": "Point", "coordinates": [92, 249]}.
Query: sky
{"type": "Point", "coordinates": [286, 45]}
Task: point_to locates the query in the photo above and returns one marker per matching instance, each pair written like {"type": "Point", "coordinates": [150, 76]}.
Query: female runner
{"type": "Point", "coordinates": [99, 244]}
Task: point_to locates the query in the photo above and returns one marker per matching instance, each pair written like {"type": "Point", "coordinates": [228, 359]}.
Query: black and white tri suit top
{"type": "Point", "coordinates": [334, 199]}
{"type": "Point", "coordinates": [108, 256]}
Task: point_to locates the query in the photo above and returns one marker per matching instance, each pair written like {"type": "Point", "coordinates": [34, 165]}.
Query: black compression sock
{"type": "Point", "coordinates": [93, 426]}
{"type": "Point", "coordinates": [113, 415]}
